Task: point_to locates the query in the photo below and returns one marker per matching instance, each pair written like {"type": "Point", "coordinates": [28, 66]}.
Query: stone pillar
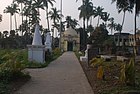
{"type": "Point", "coordinates": [36, 51]}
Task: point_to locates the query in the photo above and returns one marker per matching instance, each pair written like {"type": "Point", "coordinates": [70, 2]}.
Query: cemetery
{"type": "Point", "coordinates": [44, 51]}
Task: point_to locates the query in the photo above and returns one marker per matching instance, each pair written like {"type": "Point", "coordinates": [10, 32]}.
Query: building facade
{"type": "Point", "coordinates": [70, 40]}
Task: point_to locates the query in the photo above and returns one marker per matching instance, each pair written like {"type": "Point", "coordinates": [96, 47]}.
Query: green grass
{"type": "Point", "coordinates": [9, 58]}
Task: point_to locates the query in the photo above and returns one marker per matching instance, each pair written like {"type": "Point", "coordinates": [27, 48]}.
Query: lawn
{"type": "Point", "coordinates": [12, 65]}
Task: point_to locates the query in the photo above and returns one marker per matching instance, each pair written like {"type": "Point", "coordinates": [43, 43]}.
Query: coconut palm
{"type": "Point", "coordinates": [46, 4]}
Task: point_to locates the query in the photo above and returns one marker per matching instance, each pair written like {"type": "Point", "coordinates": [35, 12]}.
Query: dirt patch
{"type": "Point", "coordinates": [111, 82]}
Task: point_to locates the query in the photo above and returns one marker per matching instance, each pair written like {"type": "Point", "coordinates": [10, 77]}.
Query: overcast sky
{"type": "Point", "coordinates": [70, 8]}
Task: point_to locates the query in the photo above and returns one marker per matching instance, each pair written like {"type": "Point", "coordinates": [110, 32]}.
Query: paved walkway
{"type": "Point", "coordinates": [62, 76]}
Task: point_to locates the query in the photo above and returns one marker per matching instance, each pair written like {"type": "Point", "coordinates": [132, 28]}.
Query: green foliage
{"type": "Point", "coordinates": [11, 66]}
{"type": "Point", "coordinates": [99, 35]}
{"type": "Point", "coordinates": [57, 51]}
{"type": "Point", "coordinates": [127, 75]}
{"type": "Point", "coordinates": [4, 89]}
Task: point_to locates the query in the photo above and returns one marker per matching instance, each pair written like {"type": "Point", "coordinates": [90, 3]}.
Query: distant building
{"type": "Point", "coordinates": [121, 39]}
{"type": "Point", "coordinates": [127, 39]}
{"type": "Point", "coordinates": [70, 40]}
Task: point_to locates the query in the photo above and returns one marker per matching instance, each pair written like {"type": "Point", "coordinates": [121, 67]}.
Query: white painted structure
{"type": "Point", "coordinates": [48, 42]}
{"type": "Point", "coordinates": [85, 58]}
{"type": "Point", "coordinates": [36, 51]}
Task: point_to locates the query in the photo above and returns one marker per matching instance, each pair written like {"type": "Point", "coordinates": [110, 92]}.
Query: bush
{"type": "Point", "coordinates": [128, 73]}
{"type": "Point", "coordinates": [11, 66]}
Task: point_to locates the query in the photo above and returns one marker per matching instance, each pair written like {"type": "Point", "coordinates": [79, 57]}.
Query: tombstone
{"type": "Point", "coordinates": [36, 51]}
{"type": "Point", "coordinates": [48, 42]}
{"type": "Point", "coordinates": [85, 58]}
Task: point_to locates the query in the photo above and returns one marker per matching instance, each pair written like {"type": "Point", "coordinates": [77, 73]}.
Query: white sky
{"type": "Point", "coordinates": [70, 8]}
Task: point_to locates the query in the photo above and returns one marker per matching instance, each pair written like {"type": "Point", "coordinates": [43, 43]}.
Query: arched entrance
{"type": "Point", "coordinates": [70, 46]}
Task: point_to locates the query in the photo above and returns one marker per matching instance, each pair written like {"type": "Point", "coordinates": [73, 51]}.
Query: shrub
{"type": "Point", "coordinates": [11, 66]}
{"type": "Point", "coordinates": [98, 62]}
{"type": "Point", "coordinates": [127, 75]}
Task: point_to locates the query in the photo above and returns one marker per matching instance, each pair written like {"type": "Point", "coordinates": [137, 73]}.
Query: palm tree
{"type": "Point", "coordinates": [54, 15]}
{"type": "Point", "coordinates": [9, 10]}
{"type": "Point", "coordinates": [118, 27]}
{"type": "Point", "coordinates": [21, 2]}
{"type": "Point", "coordinates": [31, 10]}
{"type": "Point", "coordinates": [123, 6]}
{"type": "Point", "coordinates": [37, 4]}
{"type": "Point", "coordinates": [15, 10]}
{"type": "Point", "coordinates": [98, 13]}
{"type": "Point", "coordinates": [85, 13]}
{"type": "Point", "coordinates": [111, 25]}
{"type": "Point", "coordinates": [105, 17]}
{"type": "Point", "coordinates": [71, 22]}
{"type": "Point", "coordinates": [46, 4]}
{"type": "Point", "coordinates": [132, 4]}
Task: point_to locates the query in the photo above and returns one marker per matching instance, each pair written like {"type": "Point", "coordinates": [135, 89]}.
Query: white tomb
{"type": "Point", "coordinates": [48, 42]}
{"type": "Point", "coordinates": [85, 58]}
{"type": "Point", "coordinates": [36, 51]}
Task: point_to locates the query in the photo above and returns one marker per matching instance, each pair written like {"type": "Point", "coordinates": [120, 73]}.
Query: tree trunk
{"type": "Point", "coordinates": [123, 19]}
{"type": "Point", "coordinates": [10, 22]}
{"type": "Point", "coordinates": [15, 23]}
{"type": "Point", "coordinates": [122, 27]}
{"type": "Point", "coordinates": [135, 28]}
{"type": "Point", "coordinates": [21, 19]}
{"type": "Point", "coordinates": [47, 18]}
{"type": "Point", "coordinates": [98, 21]}
{"type": "Point", "coordinates": [85, 34]}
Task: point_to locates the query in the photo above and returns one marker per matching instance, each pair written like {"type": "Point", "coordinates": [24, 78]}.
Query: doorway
{"type": "Point", "coordinates": [70, 46]}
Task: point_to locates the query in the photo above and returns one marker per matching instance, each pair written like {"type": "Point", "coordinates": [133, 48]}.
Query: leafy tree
{"type": "Point", "coordinates": [5, 33]}
{"type": "Point", "coordinates": [99, 35]}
